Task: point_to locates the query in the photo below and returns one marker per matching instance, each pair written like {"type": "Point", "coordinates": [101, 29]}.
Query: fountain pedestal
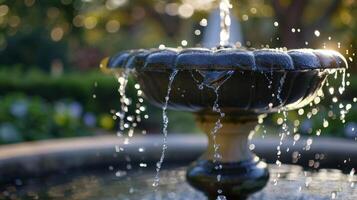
{"type": "Point", "coordinates": [237, 173]}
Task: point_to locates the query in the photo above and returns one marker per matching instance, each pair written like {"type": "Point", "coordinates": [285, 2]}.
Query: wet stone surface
{"type": "Point", "coordinates": [293, 184]}
{"type": "Point", "coordinates": [228, 59]}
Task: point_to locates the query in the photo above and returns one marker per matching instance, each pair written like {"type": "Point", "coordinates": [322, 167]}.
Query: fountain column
{"type": "Point", "coordinates": [238, 172]}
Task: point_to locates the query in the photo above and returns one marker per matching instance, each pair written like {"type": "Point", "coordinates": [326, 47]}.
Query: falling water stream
{"type": "Point", "coordinates": [124, 101]}
{"type": "Point", "coordinates": [284, 128]}
{"type": "Point", "coordinates": [164, 129]}
{"type": "Point", "coordinates": [128, 123]}
{"type": "Point", "coordinates": [214, 80]}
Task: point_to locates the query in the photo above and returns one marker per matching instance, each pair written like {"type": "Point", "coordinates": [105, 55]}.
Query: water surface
{"type": "Point", "coordinates": [293, 184]}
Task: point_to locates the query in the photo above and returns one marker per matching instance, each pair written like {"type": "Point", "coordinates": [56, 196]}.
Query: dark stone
{"type": "Point", "coordinates": [161, 59]}
{"type": "Point", "coordinates": [228, 58]}
{"type": "Point", "coordinates": [238, 180]}
{"type": "Point", "coordinates": [304, 60]}
{"type": "Point", "coordinates": [244, 92]}
{"type": "Point", "coordinates": [119, 59]}
{"type": "Point", "coordinates": [267, 60]}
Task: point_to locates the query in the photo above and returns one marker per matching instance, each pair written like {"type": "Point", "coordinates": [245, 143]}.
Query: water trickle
{"type": "Point", "coordinates": [221, 197]}
{"type": "Point", "coordinates": [214, 132]}
{"type": "Point", "coordinates": [225, 7]}
{"type": "Point", "coordinates": [280, 89]}
{"type": "Point", "coordinates": [164, 129]}
{"type": "Point", "coordinates": [269, 79]}
{"type": "Point", "coordinates": [342, 88]}
{"type": "Point", "coordinates": [124, 101]}
{"type": "Point", "coordinates": [284, 126]}
{"type": "Point", "coordinates": [261, 126]}
{"type": "Point", "coordinates": [128, 123]}
{"type": "Point", "coordinates": [214, 80]}
{"type": "Point", "coordinates": [338, 109]}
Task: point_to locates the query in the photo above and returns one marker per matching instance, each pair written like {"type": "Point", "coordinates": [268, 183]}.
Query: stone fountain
{"type": "Point", "coordinates": [228, 88]}
{"type": "Point", "coordinates": [244, 84]}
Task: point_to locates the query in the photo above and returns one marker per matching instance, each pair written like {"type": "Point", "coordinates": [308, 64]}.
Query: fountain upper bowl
{"type": "Point", "coordinates": [249, 81]}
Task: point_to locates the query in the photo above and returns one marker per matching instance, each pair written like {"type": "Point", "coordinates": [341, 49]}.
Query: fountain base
{"type": "Point", "coordinates": [238, 172]}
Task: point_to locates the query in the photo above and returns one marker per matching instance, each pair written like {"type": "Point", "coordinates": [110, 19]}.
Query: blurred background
{"type": "Point", "coordinates": [51, 87]}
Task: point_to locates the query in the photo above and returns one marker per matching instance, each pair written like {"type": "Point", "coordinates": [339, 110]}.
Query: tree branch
{"type": "Point", "coordinates": [297, 8]}
{"type": "Point", "coordinates": [279, 9]}
{"type": "Point", "coordinates": [322, 21]}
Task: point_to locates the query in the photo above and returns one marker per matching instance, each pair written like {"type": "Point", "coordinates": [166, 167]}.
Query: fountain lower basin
{"type": "Point", "coordinates": [102, 186]}
{"type": "Point", "coordinates": [100, 183]}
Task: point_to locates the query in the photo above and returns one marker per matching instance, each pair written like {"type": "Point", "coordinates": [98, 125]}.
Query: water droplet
{"type": "Point", "coordinates": [325, 123]}
{"type": "Point", "coordinates": [280, 121]}
{"type": "Point", "coordinates": [184, 43]}
{"type": "Point", "coordinates": [317, 100]}
{"type": "Point", "coordinates": [301, 111]}
{"type": "Point", "coordinates": [331, 90]}
{"type": "Point", "coordinates": [120, 173]}
{"type": "Point", "coordinates": [155, 184]}
{"type": "Point", "coordinates": [203, 22]}
{"type": "Point", "coordinates": [317, 33]}
{"type": "Point", "coordinates": [221, 197]}
{"type": "Point", "coordinates": [219, 177]}
{"type": "Point", "coordinates": [334, 99]}
{"type": "Point", "coordinates": [143, 165]}
{"type": "Point", "coordinates": [309, 141]}
{"type": "Point", "coordinates": [318, 132]}
{"type": "Point", "coordinates": [333, 195]}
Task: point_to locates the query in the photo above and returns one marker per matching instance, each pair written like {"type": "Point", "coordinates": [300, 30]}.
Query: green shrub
{"type": "Point", "coordinates": [51, 98]}
{"type": "Point", "coordinates": [24, 118]}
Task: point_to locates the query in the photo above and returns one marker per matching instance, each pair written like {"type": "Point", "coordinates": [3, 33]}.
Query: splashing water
{"type": "Point", "coordinates": [342, 88]}
{"type": "Point", "coordinates": [124, 101]}
{"type": "Point", "coordinates": [164, 129]}
{"type": "Point", "coordinates": [284, 127]}
{"type": "Point", "coordinates": [123, 79]}
{"type": "Point", "coordinates": [128, 122]}
{"type": "Point", "coordinates": [351, 178]}
{"type": "Point", "coordinates": [225, 7]}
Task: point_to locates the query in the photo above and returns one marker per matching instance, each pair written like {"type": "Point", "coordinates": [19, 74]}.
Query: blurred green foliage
{"type": "Point", "coordinates": [76, 34]}
{"type": "Point", "coordinates": [70, 105]}
{"type": "Point", "coordinates": [24, 118]}
{"type": "Point", "coordinates": [76, 86]}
